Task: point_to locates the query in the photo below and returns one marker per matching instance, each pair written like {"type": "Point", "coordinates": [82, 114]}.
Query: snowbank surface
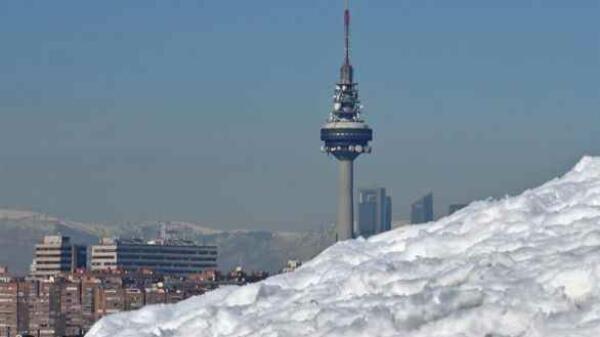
{"type": "Point", "coordinates": [522, 266]}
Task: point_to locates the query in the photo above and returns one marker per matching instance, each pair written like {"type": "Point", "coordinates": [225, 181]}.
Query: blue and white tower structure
{"type": "Point", "coordinates": [346, 136]}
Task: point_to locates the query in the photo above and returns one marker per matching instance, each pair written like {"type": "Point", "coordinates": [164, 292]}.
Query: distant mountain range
{"type": "Point", "coordinates": [254, 250]}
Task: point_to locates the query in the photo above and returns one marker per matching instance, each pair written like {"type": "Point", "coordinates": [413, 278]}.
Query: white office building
{"type": "Point", "coordinates": [173, 257]}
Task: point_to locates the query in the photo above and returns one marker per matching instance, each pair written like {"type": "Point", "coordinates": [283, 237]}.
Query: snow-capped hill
{"type": "Point", "coordinates": [522, 266]}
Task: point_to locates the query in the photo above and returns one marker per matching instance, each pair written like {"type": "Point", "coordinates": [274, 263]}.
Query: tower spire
{"type": "Point", "coordinates": [347, 31]}
{"type": "Point", "coordinates": [347, 72]}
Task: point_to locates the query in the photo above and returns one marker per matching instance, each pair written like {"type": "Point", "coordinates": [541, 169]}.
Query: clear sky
{"type": "Point", "coordinates": [210, 110]}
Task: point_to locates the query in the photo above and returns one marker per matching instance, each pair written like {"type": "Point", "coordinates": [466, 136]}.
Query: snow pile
{"type": "Point", "coordinates": [523, 266]}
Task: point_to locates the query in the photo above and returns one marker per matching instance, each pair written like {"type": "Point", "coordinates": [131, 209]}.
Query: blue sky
{"type": "Point", "coordinates": [210, 110]}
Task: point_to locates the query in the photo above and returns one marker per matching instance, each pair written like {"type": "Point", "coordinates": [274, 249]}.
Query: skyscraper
{"type": "Point", "coordinates": [455, 208]}
{"type": "Point", "coordinates": [374, 212]}
{"type": "Point", "coordinates": [346, 136]}
{"type": "Point", "coordinates": [388, 213]}
{"type": "Point", "coordinates": [422, 210]}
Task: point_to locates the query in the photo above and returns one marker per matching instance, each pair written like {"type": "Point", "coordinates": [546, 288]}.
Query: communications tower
{"type": "Point", "coordinates": [346, 136]}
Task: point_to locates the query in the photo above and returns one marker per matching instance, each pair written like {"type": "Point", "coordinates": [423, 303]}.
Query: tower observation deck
{"type": "Point", "coordinates": [346, 136]}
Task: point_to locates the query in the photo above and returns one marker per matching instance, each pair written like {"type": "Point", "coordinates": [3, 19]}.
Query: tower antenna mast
{"type": "Point", "coordinates": [347, 31]}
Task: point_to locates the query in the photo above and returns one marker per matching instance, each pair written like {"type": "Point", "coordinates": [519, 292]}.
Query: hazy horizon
{"type": "Point", "coordinates": [210, 113]}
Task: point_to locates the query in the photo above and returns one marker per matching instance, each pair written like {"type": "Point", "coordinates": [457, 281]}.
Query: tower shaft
{"type": "Point", "coordinates": [345, 215]}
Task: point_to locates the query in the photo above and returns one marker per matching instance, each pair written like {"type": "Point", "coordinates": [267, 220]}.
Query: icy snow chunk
{"type": "Point", "coordinates": [576, 283]}
{"type": "Point", "coordinates": [525, 266]}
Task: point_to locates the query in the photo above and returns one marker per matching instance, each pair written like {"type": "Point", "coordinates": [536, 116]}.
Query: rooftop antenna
{"type": "Point", "coordinates": [162, 234]}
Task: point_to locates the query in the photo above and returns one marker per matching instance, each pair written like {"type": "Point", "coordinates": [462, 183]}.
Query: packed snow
{"type": "Point", "coordinates": [521, 266]}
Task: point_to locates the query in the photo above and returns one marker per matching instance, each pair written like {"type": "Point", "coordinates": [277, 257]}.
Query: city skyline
{"type": "Point", "coordinates": [131, 107]}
